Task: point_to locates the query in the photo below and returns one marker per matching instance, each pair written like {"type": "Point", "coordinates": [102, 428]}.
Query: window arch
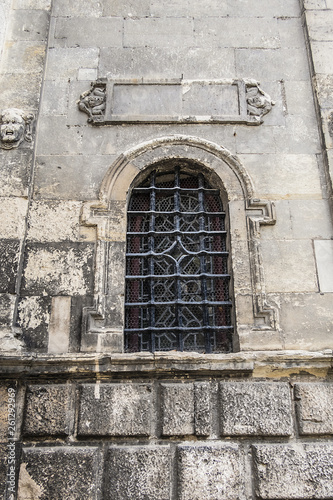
{"type": "Point", "coordinates": [178, 282]}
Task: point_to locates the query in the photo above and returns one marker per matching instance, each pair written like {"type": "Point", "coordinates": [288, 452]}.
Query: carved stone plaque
{"type": "Point", "coordinates": [175, 101]}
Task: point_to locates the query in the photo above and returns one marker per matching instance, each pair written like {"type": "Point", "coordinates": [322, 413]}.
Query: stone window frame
{"type": "Point", "coordinates": [256, 320]}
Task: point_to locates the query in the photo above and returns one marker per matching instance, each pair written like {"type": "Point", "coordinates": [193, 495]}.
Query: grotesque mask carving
{"type": "Point", "coordinates": [15, 126]}
{"type": "Point", "coordinates": [93, 101]}
{"type": "Point", "coordinates": [258, 102]}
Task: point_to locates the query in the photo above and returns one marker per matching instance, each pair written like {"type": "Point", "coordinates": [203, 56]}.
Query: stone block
{"type": "Point", "coordinates": [28, 24]}
{"type": "Point", "coordinates": [127, 8]}
{"type": "Point", "coordinates": [284, 176]}
{"type": "Point", "coordinates": [293, 472]}
{"type": "Point", "coordinates": [318, 25]}
{"type": "Point", "coordinates": [299, 98]}
{"type": "Point", "coordinates": [314, 408]}
{"type": "Point", "coordinates": [314, 4]}
{"type": "Point", "coordinates": [262, 409]}
{"type": "Point", "coordinates": [254, 140]}
{"type": "Point", "coordinates": [48, 410]}
{"type": "Point", "coordinates": [12, 217]}
{"type": "Point", "coordinates": [90, 8]}
{"type": "Point", "coordinates": [271, 64]}
{"type": "Point", "coordinates": [138, 472]}
{"type": "Point", "coordinates": [237, 32]}
{"type": "Point", "coordinates": [300, 136]}
{"type": "Point", "coordinates": [248, 8]}
{"type": "Point", "coordinates": [58, 269]}
{"type": "Point", "coordinates": [9, 258]}
{"type": "Point", "coordinates": [103, 32]}
{"type": "Point", "coordinates": [64, 63]}
{"type": "Point", "coordinates": [68, 140]}
{"type": "Point", "coordinates": [5, 398]}
{"type": "Point", "coordinates": [285, 271]}
{"type": "Point", "coordinates": [210, 471]}
{"type": "Point", "coordinates": [14, 173]}
{"type": "Point", "coordinates": [187, 9]}
{"type": "Point", "coordinates": [324, 255]}
{"type": "Point", "coordinates": [115, 410]}
{"type": "Point", "coordinates": [322, 56]}
{"type": "Point", "coordinates": [7, 304]}
{"type": "Point", "coordinates": [24, 57]}
{"type": "Point", "coordinates": [32, 4]}
{"type": "Point", "coordinates": [87, 74]}
{"type": "Point", "coordinates": [59, 472]}
{"type": "Point", "coordinates": [68, 177]}
{"type": "Point", "coordinates": [33, 319]}
{"type": "Point", "coordinates": [299, 220]}
{"type": "Point", "coordinates": [177, 409]}
{"type": "Point", "coordinates": [176, 61]}
{"type": "Point", "coordinates": [212, 9]}
{"type": "Point", "coordinates": [55, 98]}
{"type": "Point", "coordinates": [157, 32]}
{"type": "Point", "coordinates": [311, 316]}
{"type": "Point", "coordinates": [54, 221]}
{"type": "Point", "coordinates": [202, 408]}
{"type": "Point", "coordinates": [60, 325]}
{"type": "Point", "coordinates": [21, 90]}
{"type": "Point", "coordinates": [291, 32]}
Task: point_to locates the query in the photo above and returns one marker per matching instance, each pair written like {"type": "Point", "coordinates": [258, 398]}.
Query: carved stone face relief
{"type": "Point", "coordinates": [258, 102]}
{"type": "Point", "coordinates": [15, 126]}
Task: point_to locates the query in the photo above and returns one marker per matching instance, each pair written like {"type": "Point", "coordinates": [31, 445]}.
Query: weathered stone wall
{"type": "Point", "coordinates": [213, 430]}
{"type": "Point", "coordinates": [46, 183]}
{"type": "Point", "coordinates": [75, 424]}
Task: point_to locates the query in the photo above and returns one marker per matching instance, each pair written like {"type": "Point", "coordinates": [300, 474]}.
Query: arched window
{"type": "Point", "coordinates": [177, 274]}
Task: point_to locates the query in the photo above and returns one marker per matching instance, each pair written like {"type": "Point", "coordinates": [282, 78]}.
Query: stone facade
{"type": "Point", "coordinates": [94, 96]}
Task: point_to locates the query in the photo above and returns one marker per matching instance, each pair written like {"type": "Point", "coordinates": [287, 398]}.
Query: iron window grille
{"type": "Point", "coordinates": [177, 282]}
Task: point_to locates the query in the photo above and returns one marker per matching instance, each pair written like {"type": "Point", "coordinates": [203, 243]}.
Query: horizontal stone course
{"type": "Point", "coordinates": [103, 32]}
{"type": "Point", "coordinates": [260, 408]}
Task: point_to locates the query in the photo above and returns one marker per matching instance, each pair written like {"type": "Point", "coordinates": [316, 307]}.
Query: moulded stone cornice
{"type": "Point", "coordinates": [259, 364]}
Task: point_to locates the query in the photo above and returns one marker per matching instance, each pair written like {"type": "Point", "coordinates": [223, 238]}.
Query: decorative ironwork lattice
{"type": "Point", "coordinates": [177, 281]}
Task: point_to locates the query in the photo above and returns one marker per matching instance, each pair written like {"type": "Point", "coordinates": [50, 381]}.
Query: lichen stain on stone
{"type": "Point", "coordinates": [54, 221]}
{"type": "Point", "coordinates": [28, 489]}
{"type": "Point", "coordinates": [32, 313]}
{"type": "Point", "coordinates": [271, 372]}
{"type": "Point", "coordinates": [63, 269]}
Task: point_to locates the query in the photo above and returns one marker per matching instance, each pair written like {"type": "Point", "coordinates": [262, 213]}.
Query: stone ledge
{"type": "Point", "coordinates": [259, 364]}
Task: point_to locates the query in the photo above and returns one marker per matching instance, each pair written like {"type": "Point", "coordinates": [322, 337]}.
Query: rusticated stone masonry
{"type": "Point", "coordinates": [190, 440]}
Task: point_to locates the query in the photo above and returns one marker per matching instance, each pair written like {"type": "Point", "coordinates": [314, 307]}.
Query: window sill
{"type": "Point", "coordinates": [258, 364]}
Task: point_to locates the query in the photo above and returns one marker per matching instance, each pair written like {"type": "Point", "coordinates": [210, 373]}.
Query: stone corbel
{"type": "Point", "coordinates": [260, 212]}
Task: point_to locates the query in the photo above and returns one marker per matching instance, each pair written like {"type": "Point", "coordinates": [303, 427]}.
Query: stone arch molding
{"type": "Point", "coordinates": [256, 320]}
